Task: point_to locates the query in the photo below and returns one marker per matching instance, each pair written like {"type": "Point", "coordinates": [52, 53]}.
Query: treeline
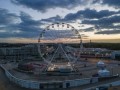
{"type": "Point", "coordinates": [3, 45]}
{"type": "Point", "coordinates": [111, 46]}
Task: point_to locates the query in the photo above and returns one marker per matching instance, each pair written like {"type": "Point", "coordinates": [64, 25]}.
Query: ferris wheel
{"type": "Point", "coordinates": [53, 43]}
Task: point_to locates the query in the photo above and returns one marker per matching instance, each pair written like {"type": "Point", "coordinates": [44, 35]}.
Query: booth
{"type": "Point", "coordinates": [104, 73]}
{"type": "Point", "coordinates": [101, 64]}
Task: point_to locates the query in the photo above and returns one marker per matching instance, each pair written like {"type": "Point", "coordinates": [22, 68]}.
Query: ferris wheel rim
{"type": "Point", "coordinates": [47, 28]}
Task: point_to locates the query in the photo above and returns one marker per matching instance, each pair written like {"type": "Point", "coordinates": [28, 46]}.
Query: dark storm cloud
{"type": "Point", "coordinates": [43, 5]}
{"type": "Point", "coordinates": [82, 14]}
{"type": "Point", "coordinates": [29, 28]}
{"type": "Point", "coordinates": [28, 24]}
{"type": "Point", "coordinates": [110, 26]}
{"type": "Point", "coordinates": [114, 3]}
{"type": "Point", "coordinates": [104, 21]}
{"type": "Point", "coordinates": [57, 18]}
{"type": "Point", "coordinates": [89, 14]}
{"type": "Point", "coordinates": [27, 19]}
{"type": "Point", "coordinates": [21, 35]}
{"type": "Point", "coordinates": [109, 32]}
{"type": "Point", "coordinates": [6, 17]}
{"type": "Point", "coordinates": [88, 29]}
{"type": "Point", "coordinates": [26, 28]}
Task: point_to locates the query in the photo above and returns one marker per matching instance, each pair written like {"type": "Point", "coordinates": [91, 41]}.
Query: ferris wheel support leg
{"type": "Point", "coordinates": [66, 55]}
{"type": "Point", "coordinates": [54, 54]}
{"type": "Point", "coordinates": [64, 52]}
{"type": "Point", "coordinates": [48, 63]}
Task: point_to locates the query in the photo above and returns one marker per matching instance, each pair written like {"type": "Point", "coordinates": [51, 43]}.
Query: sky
{"type": "Point", "coordinates": [21, 21]}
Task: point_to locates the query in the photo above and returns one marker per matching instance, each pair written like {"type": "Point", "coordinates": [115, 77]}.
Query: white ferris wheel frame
{"type": "Point", "coordinates": [49, 62]}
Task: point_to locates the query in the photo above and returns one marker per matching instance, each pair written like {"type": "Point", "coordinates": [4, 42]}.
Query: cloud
{"type": "Point", "coordinates": [103, 21]}
{"type": "Point", "coordinates": [28, 24]}
{"type": "Point", "coordinates": [88, 29]}
{"type": "Point", "coordinates": [89, 14]}
{"type": "Point", "coordinates": [106, 25]}
{"type": "Point", "coordinates": [54, 19]}
{"type": "Point", "coordinates": [109, 32]}
{"type": "Point", "coordinates": [44, 5]}
{"type": "Point", "coordinates": [114, 3]}
{"type": "Point", "coordinates": [26, 28]}
{"type": "Point", "coordinates": [29, 28]}
{"type": "Point", "coordinates": [6, 17]}
{"type": "Point", "coordinates": [82, 14]}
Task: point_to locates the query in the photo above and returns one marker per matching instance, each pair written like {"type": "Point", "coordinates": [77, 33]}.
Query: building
{"type": "Point", "coordinates": [19, 53]}
{"type": "Point", "coordinates": [115, 55]}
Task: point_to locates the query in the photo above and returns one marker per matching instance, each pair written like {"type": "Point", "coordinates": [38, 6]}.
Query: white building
{"type": "Point", "coordinates": [101, 64]}
{"type": "Point", "coordinates": [15, 53]}
{"type": "Point", "coordinates": [104, 73]}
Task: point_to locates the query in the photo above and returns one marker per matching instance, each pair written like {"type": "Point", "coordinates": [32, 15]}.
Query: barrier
{"type": "Point", "coordinates": [50, 84]}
